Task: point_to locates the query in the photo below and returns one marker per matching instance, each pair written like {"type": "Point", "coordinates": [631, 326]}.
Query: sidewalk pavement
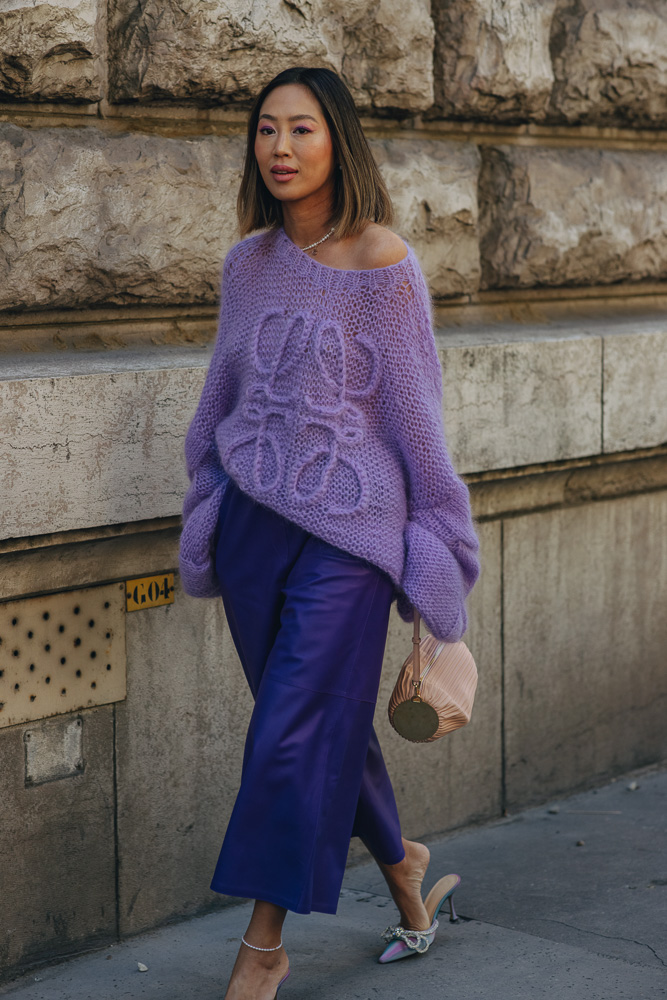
{"type": "Point", "coordinates": [540, 916]}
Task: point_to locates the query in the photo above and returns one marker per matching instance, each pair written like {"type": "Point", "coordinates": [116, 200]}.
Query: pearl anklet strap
{"type": "Point", "coordinates": [254, 946]}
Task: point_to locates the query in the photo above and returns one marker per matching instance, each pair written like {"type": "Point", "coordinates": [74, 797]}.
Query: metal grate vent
{"type": "Point", "coordinates": [61, 652]}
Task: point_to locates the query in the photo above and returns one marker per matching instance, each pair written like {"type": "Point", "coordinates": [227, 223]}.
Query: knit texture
{"type": "Point", "coordinates": [323, 401]}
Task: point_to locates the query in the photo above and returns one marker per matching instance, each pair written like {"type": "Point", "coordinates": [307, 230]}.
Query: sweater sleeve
{"type": "Point", "coordinates": [441, 545]}
{"type": "Point", "coordinates": [207, 477]}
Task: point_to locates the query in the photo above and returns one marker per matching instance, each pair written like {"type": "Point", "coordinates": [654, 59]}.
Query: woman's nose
{"type": "Point", "coordinates": [281, 143]}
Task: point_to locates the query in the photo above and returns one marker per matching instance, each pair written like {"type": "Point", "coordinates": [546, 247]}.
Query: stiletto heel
{"type": "Point", "coordinates": [453, 919]}
{"type": "Point", "coordinates": [403, 942]}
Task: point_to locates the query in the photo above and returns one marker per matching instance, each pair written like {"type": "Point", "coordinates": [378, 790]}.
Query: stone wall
{"type": "Point", "coordinates": [525, 149]}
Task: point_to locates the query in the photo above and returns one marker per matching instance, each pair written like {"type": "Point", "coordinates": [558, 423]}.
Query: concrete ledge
{"type": "Point", "coordinates": [567, 484]}
{"type": "Point", "coordinates": [510, 404]}
{"type": "Point", "coordinates": [98, 440]}
{"type": "Point", "coordinates": [99, 435]}
{"type": "Point", "coordinates": [68, 559]}
{"type": "Point", "coordinates": [635, 389]}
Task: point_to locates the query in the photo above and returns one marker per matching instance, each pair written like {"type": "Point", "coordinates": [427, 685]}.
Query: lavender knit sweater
{"type": "Point", "coordinates": [323, 401]}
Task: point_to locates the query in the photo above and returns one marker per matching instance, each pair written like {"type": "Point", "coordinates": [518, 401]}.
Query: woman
{"type": "Point", "coordinates": [321, 491]}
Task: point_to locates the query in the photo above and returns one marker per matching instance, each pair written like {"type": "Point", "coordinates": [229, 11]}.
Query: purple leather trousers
{"type": "Point", "coordinates": [309, 622]}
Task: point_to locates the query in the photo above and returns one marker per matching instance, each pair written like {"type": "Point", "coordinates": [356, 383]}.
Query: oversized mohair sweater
{"type": "Point", "coordinates": [323, 401]}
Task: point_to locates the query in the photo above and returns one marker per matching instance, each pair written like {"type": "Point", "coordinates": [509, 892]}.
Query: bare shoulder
{"type": "Point", "coordinates": [380, 247]}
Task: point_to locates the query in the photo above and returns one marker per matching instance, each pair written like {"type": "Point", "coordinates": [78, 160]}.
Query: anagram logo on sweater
{"type": "Point", "coordinates": [302, 405]}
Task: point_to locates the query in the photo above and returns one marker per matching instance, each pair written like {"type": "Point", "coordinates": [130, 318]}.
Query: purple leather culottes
{"type": "Point", "coordinates": [309, 622]}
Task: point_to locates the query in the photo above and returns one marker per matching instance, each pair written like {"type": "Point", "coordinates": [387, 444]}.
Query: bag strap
{"type": "Point", "coordinates": [416, 641]}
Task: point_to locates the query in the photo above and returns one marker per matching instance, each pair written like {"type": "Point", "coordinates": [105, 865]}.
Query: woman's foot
{"type": "Point", "coordinates": [405, 881]}
{"type": "Point", "coordinates": [256, 974]}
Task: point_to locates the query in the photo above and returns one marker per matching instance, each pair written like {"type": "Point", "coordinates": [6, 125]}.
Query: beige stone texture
{"type": "Point", "coordinates": [572, 216]}
{"type": "Point", "coordinates": [456, 779]}
{"type": "Point", "coordinates": [49, 51]}
{"type": "Point", "coordinates": [147, 219]}
{"type": "Point", "coordinates": [180, 738]}
{"type": "Point", "coordinates": [433, 187]}
{"type": "Point", "coordinates": [635, 390]}
{"type": "Point", "coordinates": [87, 217]}
{"type": "Point", "coordinates": [57, 854]}
{"type": "Point", "coordinates": [492, 58]}
{"type": "Point", "coordinates": [515, 402]}
{"type": "Point", "coordinates": [610, 62]}
{"type": "Point", "coordinates": [94, 449]}
{"type": "Point", "coordinates": [210, 51]}
{"type": "Point", "coordinates": [382, 51]}
{"type": "Point", "coordinates": [585, 635]}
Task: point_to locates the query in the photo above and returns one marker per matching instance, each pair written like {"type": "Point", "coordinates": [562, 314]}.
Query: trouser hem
{"type": "Point", "coordinates": [269, 897]}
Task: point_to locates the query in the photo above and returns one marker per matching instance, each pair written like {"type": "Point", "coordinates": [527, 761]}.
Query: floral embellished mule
{"type": "Point", "coordinates": [403, 942]}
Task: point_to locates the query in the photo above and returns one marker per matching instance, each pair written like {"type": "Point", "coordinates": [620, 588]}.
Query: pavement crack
{"type": "Point", "coordinates": [609, 937]}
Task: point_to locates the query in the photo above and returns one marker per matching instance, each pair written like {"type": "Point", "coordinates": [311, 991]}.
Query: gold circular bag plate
{"type": "Point", "coordinates": [415, 720]}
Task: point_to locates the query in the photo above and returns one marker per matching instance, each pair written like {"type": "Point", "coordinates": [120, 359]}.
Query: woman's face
{"type": "Point", "coordinates": [292, 133]}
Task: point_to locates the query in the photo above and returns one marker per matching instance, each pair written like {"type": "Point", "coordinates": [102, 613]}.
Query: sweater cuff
{"type": "Point", "coordinates": [441, 567]}
{"type": "Point", "coordinates": [196, 557]}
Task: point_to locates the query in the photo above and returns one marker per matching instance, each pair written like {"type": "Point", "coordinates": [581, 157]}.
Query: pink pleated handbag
{"type": "Point", "coordinates": [435, 688]}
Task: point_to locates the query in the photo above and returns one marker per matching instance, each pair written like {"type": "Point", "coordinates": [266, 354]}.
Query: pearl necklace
{"type": "Point", "coordinates": [319, 241]}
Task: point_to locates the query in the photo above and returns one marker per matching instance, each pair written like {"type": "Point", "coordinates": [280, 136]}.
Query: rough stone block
{"type": "Point", "coordinates": [57, 854]}
{"type": "Point", "coordinates": [610, 62]}
{"type": "Point", "coordinates": [635, 390]}
{"type": "Point", "coordinates": [456, 779]}
{"type": "Point", "coordinates": [433, 186]}
{"type": "Point", "coordinates": [383, 52]}
{"type": "Point", "coordinates": [167, 214]}
{"type": "Point", "coordinates": [515, 402]}
{"type": "Point", "coordinates": [87, 217]}
{"type": "Point", "coordinates": [189, 50]}
{"type": "Point", "coordinates": [49, 51]}
{"type": "Point", "coordinates": [492, 58]}
{"type": "Point", "coordinates": [572, 216]}
{"type": "Point", "coordinates": [94, 449]}
{"type": "Point", "coordinates": [585, 635]}
{"type": "Point", "coordinates": [180, 737]}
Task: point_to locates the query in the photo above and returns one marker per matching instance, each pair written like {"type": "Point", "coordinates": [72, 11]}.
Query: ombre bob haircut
{"type": "Point", "coordinates": [360, 194]}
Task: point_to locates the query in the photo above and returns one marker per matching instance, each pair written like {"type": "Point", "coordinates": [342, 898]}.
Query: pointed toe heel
{"type": "Point", "coordinates": [403, 942]}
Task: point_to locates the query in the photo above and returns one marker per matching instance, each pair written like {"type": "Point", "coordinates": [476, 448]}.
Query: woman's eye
{"type": "Point", "coordinates": [266, 130]}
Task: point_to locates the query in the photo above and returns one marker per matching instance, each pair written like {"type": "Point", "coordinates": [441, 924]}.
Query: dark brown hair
{"type": "Point", "coordinates": [360, 193]}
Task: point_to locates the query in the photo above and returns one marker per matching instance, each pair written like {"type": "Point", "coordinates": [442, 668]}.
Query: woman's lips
{"type": "Point", "coordinates": [283, 176]}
